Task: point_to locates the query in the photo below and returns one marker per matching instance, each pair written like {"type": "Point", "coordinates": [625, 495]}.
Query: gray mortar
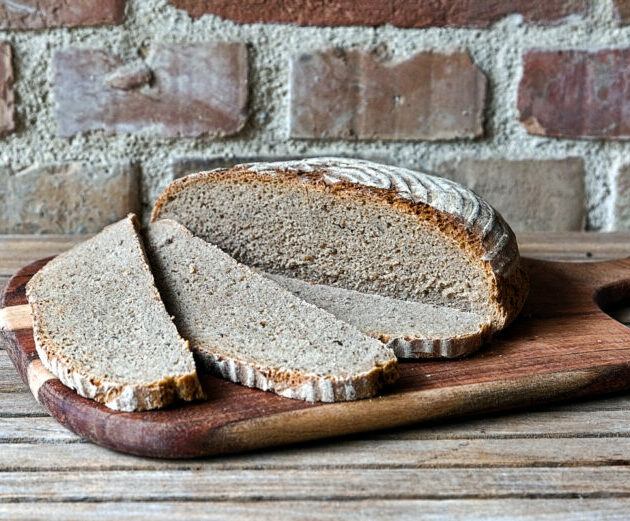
{"type": "Point", "coordinates": [497, 51]}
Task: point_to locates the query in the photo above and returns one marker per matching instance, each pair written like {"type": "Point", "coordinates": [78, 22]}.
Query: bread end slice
{"type": "Point", "coordinates": [75, 302]}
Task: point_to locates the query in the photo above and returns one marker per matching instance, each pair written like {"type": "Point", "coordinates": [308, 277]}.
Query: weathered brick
{"type": "Point", "coordinates": [186, 90]}
{"type": "Point", "coordinates": [7, 98]}
{"type": "Point", "coordinates": [400, 13]}
{"type": "Point", "coordinates": [37, 14]}
{"type": "Point", "coordinates": [532, 195]}
{"type": "Point", "coordinates": [622, 200]}
{"type": "Point", "coordinates": [66, 198]}
{"type": "Point", "coordinates": [189, 165]}
{"type": "Point", "coordinates": [622, 9]}
{"type": "Point", "coordinates": [576, 94]}
{"type": "Point", "coordinates": [353, 94]}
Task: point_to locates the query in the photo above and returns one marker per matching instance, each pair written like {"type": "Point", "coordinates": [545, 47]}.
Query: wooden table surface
{"type": "Point", "coordinates": [557, 462]}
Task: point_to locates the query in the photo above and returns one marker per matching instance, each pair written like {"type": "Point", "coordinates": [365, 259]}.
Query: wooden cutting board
{"type": "Point", "coordinates": [562, 346]}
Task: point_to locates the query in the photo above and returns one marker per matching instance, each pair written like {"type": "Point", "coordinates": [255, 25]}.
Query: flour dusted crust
{"type": "Point", "coordinates": [475, 214]}
{"type": "Point", "coordinates": [478, 229]}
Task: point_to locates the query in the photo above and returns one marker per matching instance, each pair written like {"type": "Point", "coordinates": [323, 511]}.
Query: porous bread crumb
{"type": "Point", "coordinates": [396, 322]}
{"type": "Point", "coordinates": [365, 227]}
{"type": "Point", "coordinates": [102, 329]}
{"type": "Point", "coordinates": [252, 331]}
{"type": "Point", "coordinates": [278, 228]}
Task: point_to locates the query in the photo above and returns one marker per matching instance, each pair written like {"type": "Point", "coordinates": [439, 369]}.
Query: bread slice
{"type": "Point", "coordinates": [102, 329]}
{"type": "Point", "coordinates": [366, 227]}
{"type": "Point", "coordinates": [248, 329]}
{"type": "Point", "coordinates": [410, 328]}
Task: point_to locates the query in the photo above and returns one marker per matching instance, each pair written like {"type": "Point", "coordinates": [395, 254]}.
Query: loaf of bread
{"type": "Point", "coordinates": [101, 327]}
{"type": "Point", "coordinates": [248, 329]}
{"type": "Point", "coordinates": [376, 230]}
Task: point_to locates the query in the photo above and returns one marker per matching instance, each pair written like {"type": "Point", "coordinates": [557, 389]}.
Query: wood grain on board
{"type": "Point", "coordinates": [562, 346]}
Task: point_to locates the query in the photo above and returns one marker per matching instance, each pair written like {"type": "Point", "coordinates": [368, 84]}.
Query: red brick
{"type": "Point", "coordinates": [37, 14]}
{"type": "Point", "coordinates": [186, 90]}
{"type": "Point", "coordinates": [7, 98]}
{"type": "Point", "coordinates": [401, 13]}
{"type": "Point", "coordinates": [622, 10]}
{"type": "Point", "coordinates": [337, 94]}
{"type": "Point", "coordinates": [130, 76]}
{"type": "Point", "coordinates": [532, 195]}
{"type": "Point", "coordinates": [67, 198]}
{"type": "Point", "coordinates": [576, 94]}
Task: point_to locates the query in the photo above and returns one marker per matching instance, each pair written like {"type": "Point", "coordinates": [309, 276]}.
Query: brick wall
{"type": "Point", "coordinates": [103, 102]}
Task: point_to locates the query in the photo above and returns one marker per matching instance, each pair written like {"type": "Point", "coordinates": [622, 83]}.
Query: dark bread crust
{"type": "Point", "coordinates": [507, 277]}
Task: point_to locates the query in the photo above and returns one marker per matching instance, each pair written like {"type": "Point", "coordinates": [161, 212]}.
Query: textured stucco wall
{"type": "Point", "coordinates": [497, 51]}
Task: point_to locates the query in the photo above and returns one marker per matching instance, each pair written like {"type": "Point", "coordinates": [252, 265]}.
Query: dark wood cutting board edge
{"type": "Point", "coordinates": [563, 346]}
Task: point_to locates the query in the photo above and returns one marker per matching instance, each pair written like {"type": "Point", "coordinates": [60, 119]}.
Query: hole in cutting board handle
{"type": "Point", "coordinates": [614, 300]}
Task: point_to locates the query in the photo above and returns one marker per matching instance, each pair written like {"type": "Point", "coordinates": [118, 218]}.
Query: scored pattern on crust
{"type": "Point", "coordinates": [498, 240]}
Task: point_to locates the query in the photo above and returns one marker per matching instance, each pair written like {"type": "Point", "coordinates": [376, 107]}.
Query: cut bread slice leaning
{"type": "Point", "coordinates": [250, 330]}
{"type": "Point", "coordinates": [408, 327]}
{"type": "Point", "coordinates": [370, 228]}
{"type": "Point", "coordinates": [102, 329]}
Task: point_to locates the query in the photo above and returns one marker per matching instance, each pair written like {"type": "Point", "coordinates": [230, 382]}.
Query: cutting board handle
{"type": "Point", "coordinates": [612, 280]}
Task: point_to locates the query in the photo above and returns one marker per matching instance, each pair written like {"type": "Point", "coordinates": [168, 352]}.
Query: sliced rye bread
{"type": "Point", "coordinates": [101, 327]}
{"type": "Point", "coordinates": [366, 227]}
{"type": "Point", "coordinates": [411, 329]}
{"type": "Point", "coordinates": [250, 330]}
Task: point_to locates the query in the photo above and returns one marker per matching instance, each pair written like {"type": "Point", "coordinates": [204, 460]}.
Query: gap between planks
{"type": "Point", "coordinates": [389, 509]}
{"type": "Point", "coordinates": [305, 484]}
{"type": "Point", "coordinates": [344, 454]}
{"type": "Point", "coordinates": [540, 424]}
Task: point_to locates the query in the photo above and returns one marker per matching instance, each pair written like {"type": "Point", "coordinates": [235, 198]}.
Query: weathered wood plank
{"type": "Point", "coordinates": [10, 381]}
{"type": "Point", "coordinates": [540, 424]}
{"type": "Point", "coordinates": [20, 404]}
{"type": "Point", "coordinates": [620, 402]}
{"type": "Point", "coordinates": [57, 453]}
{"type": "Point", "coordinates": [306, 484]}
{"type": "Point", "coordinates": [550, 423]}
{"type": "Point", "coordinates": [34, 430]}
{"type": "Point", "coordinates": [9, 378]}
{"type": "Point", "coordinates": [574, 246]}
{"type": "Point", "coordinates": [18, 250]}
{"type": "Point", "coordinates": [612, 509]}
{"type": "Point", "coordinates": [386, 510]}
